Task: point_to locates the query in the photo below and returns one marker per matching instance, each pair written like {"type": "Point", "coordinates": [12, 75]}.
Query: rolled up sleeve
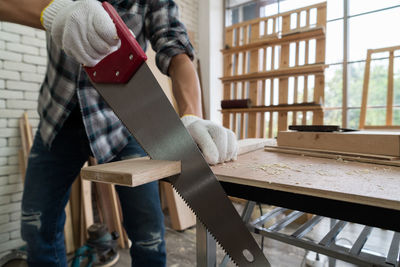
{"type": "Point", "coordinates": [167, 35]}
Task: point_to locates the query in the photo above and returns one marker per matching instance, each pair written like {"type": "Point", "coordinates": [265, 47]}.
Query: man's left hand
{"type": "Point", "coordinates": [217, 143]}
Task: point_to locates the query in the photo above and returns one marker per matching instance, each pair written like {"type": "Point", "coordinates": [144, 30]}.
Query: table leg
{"type": "Point", "coordinates": [206, 247]}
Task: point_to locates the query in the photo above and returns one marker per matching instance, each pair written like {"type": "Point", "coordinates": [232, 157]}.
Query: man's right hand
{"type": "Point", "coordinates": [83, 29]}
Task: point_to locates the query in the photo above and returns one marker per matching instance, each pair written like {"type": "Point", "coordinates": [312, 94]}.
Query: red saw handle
{"type": "Point", "coordinates": [119, 66]}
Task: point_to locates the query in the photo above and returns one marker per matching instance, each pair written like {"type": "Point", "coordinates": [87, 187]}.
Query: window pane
{"type": "Point", "coordinates": [356, 80]}
{"type": "Point", "coordinates": [334, 42]}
{"type": "Point", "coordinates": [361, 6]}
{"type": "Point", "coordinates": [375, 116]}
{"type": "Point", "coordinates": [269, 10]}
{"type": "Point", "coordinates": [373, 31]}
{"type": "Point", "coordinates": [333, 117]}
{"type": "Point", "coordinates": [396, 80]}
{"type": "Point", "coordinates": [250, 12]}
{"type": "Point", "coordinates": [378, 82]}
{"type": "Point", "coordinates": [294, 4]}
{"type": "Point", "coordinates": [396, 116]}
{"type": "Point", "coordinates": [353, 118]}
{"type": "Point", "coordinates": [333, 86]}
{"type": "Point", "coordinates": [334, 9]}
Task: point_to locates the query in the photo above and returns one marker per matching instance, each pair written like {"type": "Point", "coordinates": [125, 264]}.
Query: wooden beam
{"type": "Point", "coordinates": [281, 72]}
{"type": "Point", "coordinates": [364, 101]}
{"type": "Point", "coordinates": [367, 142]}
{"type": "Point", "coordinates": [290, 36]}
{"type": "Point", "coordinates": [298, 107]}
{"type": "Point", "coordinates": [390, 96]}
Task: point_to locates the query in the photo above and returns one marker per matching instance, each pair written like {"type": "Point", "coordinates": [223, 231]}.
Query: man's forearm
{"type": "Point", "coordinates": [26, 12]}
{"type": "Point", "coordinates": [185, 85]}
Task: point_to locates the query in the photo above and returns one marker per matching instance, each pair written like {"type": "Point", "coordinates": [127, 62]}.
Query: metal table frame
{"type": "Point", "coordinates": [341, 212]}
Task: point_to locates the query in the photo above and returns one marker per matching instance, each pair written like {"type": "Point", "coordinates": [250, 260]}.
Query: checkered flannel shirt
{"type": "Point", "coordinates": [67, 85]}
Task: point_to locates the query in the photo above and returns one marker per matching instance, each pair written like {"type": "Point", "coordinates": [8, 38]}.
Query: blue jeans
{"type": "Point", "coordinates": [49, 176]}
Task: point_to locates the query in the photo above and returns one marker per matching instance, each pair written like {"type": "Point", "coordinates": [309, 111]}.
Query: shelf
{"type": "Point", "coordinates": [282, 72]}
{"type": "Point", "coordinates": [313, 33]}
{"type": "Point", "coordinates": [293, 107]}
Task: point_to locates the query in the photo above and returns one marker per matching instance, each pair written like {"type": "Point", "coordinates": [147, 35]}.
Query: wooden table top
{"type": "Point", "coordinates": [362, 183]}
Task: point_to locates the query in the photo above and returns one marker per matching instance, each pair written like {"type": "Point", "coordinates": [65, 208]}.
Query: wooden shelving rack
{"type": "Point", "coordinates": [280, 57]}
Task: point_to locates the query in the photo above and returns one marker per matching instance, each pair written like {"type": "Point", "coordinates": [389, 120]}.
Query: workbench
{"type": "Point", "coordinates": [363, 193]}
{"type": "Point", "coordinates": [345, 191]}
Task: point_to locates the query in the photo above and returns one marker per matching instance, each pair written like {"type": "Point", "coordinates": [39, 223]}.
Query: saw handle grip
{"type": "Point", "coordinates": [119, 66]}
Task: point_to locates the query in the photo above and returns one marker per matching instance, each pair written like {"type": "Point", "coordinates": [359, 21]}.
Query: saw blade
{"type": "Point", "coordinates": [146, 112]}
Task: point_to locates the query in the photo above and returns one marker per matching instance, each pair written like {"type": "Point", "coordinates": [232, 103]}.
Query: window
{"type": "Point", "coordinates": [370, 24]}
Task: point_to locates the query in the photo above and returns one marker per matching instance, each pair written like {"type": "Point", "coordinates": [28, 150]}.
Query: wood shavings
{"type": "Point", "coordinates": [365, 171]}
{"type": "Point", "coordinates": [387, 169]}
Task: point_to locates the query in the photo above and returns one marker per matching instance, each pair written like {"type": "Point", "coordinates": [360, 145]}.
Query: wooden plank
{"type": "Point", "coordinates": [283, 99]}
{"type": "Point", "coordinates": [75, 203]}
{"type": "Point", "coordinates": [109, 209]}
{"type": "Point", "coordinates": [69, 231]}
{"type": "Point", "coordinates": [254, 88]}
{"type": "Point", "coordinates": [281, 72]}
{"type": "Point", "coordinates": [319, 96]}
{"type": "Point", "coordinates": [86, 199]}
{"type": "Point", "coordinates": [298, 107]}
{"type": "Point", "coordinates": [364, 101]}
{"type": "Point", "coordinates": [137, 168]}
{"type": "Point", "coordinates": [288, 37]}
{"type": "Point", "coordinates": [271, 114]}
{"type": "Point", "coordinates": [385, 49]}
{"type": "Point", "coordinates": [335, 154]}
{"type": "Point", "coordinates": [181, 215]}
{"type": "Point", "coordinates": [390, 96]}
{"type": "Point", "coordinates": [22, 164]}
{"type": "Point", "coordinates": [131, 172]}
{"type": "Point", "coordinates": [229, 38]}
{"type": "Point", "coordinates": [227, 95]}
{"type": "Point", "coordinates": [228, 65]}
{"type": "Point", "coordinates": [117, 216]}
{"type": "Point", "coordinates": [28, 131]}
{"type": "Point", "coordinates": [326, 178]}
{"type": "Point", "coordinates": [367, 142]}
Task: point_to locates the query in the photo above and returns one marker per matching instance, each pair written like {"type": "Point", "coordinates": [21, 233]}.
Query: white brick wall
{"type": "Point", "coordinates": [189, 12]}
{"type": "Point", "coordinates": [22, 67]}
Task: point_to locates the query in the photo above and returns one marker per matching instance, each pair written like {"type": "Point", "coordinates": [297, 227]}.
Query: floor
{"type": "Point", "coordinates": [181, 246]}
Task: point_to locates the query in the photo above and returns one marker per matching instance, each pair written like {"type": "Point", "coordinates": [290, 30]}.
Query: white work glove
{"type": "Point", "coordinates": [217, 143]}
{"type": "Point", "coordinates": [83, 29]}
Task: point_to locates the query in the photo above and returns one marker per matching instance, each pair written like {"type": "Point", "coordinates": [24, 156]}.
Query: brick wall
{"type": "Point", "coordinates": [189, 12]}
{"type": "Point", "coordinates": [22, 66]}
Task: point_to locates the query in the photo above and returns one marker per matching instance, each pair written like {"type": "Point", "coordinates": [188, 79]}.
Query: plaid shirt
{"type": "Point", "coordinates": [66, 84]}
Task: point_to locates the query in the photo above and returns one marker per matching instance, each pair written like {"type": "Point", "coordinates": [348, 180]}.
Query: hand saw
{"type": "Point", "coordinates": [128, 86]}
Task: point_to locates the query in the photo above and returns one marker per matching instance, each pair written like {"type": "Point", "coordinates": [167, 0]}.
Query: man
{"type": "Point", "coordinates": [75, 122]}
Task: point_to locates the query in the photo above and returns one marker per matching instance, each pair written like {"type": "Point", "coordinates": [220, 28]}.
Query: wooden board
{"type": "Point", "coordinates": [367, 142]}
{"type": "Point", "coordinates": [354, 182]}
{"type": "Point", "coordinates": [138, 171]}
{"type": "Point", "coordinates": [131, 172]}
{"type": "Point", "coordinates": [339, 156]}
